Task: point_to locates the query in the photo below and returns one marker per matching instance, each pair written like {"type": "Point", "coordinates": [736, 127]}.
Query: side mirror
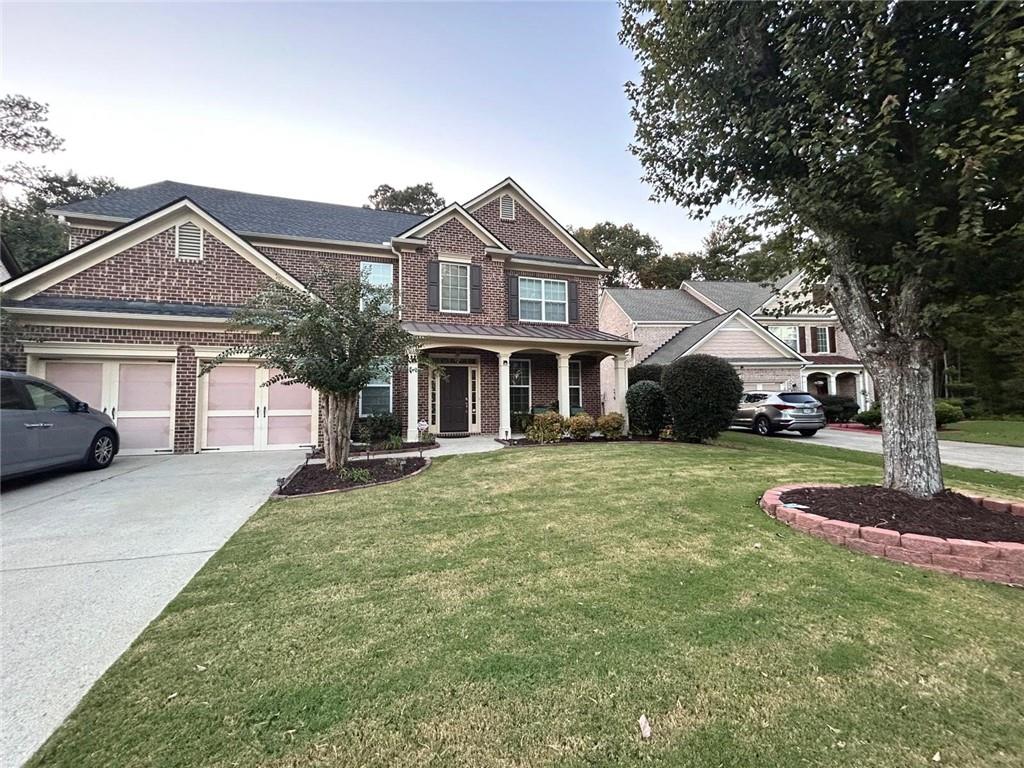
{"type": "Point", "coordinates": [80, 407]}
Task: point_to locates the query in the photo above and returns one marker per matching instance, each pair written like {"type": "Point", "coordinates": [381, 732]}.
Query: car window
{"type": "Point", "coordinates": [46, 399]}
{"type": "Point", "coordinates": [756, 397]}
{"type": "Point", "coordinates": [796, 397]}
{"type": "Point", "coordinates": [10, 396]}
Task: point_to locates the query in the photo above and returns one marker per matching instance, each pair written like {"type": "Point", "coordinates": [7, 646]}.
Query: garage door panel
{"type": "Point", "coordinates": [288, 430]}
{"type": "Point", "coordinates": [141, 433]}
{"type": "Point", "coordinates": [232, 388]}
{"type": "Point", "coordinates": [145, 387]}
{"type": "Point", "coordinates": [230, 431]}
{"type": "Point", "coordinates": [83, 380]}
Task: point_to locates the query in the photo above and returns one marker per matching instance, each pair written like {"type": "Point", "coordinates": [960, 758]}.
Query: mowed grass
{"type": "Point", "coordinates": [995, 432]}
{"type": "Point", "coordinates": [526, 607]}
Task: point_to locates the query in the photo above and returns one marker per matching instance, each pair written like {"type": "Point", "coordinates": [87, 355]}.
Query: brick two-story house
{"type": "Point", "coordinates": [747, 323]}
{"type": "Point", "coordinates": [499, 294]}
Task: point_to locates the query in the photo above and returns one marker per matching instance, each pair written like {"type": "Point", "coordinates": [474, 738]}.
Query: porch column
{"type": "Point", "coordinates": [504, 397]}
{"type": "Point", "coordinates": [621, 385]}
{"type": "Point", "coordinates": [563, 385]}
{"type": "Point", "coordinates": [830, 383]}
{"type": "Point", "coordinates": [412, 433]}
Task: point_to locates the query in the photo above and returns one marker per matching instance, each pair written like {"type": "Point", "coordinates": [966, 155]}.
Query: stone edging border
{"type": "Point", "coordinates": [275, 496]}
{"type": "Point", "coordinates": [1001, 562]}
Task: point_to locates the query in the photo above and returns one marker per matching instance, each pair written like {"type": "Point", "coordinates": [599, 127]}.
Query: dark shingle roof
{"type": "Point", "coordinates": [650, 304]}
{"type": "Point", "coordinates": [552, 332]}
{"type": "Point", "coordinates": [685, 339]}
{"type": "Point", "coordinates": [253, 214]}
{"type": "Point", "coordinates": [738, 294]}
{"type": "Point", "coordinates": [123, 306]}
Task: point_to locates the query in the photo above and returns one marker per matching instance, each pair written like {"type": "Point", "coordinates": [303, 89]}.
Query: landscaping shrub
{"type": "Point", "coordinates": [645, 403]}
{"type": "Point", "coordinates": [521, 421]}
{"type": "Point", "coordinates": [971, 406]}
{"type": "Point", "coordinates": [547, 427]}
{"type": "Point", "coordinates": [947, 413]}
{"type": "Point", "coordinates": [872, 417]}
{"type": "Point", "coordinates": [610, 425]}
{"type": "Point", "coordinates": [581, 426]}
{"type": "Point", "coordinates": [838, 409]}
{"type": "Point", "coordinates": [702, 392]}
{"type": "Point", "coordinates": [376, 428]}
{"type": "Point", "coordinates": [645, 372]}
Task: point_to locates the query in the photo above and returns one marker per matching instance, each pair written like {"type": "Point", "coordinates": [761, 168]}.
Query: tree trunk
{"type": "Point", "coordinates": [340, 413]}
{"type": "Point", "coordinates": [900, 360]}
{"type": "Point", "coordinates": [905, 382]}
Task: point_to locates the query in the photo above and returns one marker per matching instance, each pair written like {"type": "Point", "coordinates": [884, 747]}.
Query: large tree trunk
{"type": "Point", "coordinates": [900, 361]}
{"type": "Point", "coordinates": [338, 418]}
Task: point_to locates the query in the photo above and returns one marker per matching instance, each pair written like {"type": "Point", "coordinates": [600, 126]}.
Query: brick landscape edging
{"type": "Point", "coordinates": [998, 561]}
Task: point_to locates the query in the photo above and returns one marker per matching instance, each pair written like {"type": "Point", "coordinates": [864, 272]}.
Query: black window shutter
{"type": "Point", "coordinates": [802, 346]}
{"type": "Point", "coordinates": [433, 285]}
{"type": "Point", "coordinates": [513, 297]}
{"type": "Point", "coordinates": [814, 340]}
{"type": "Point", "coordinates": [475, 303]}
{"type": "Point", "coordinates": [831, 339]}
{"type": "Point", "coordinates": [574, 302]}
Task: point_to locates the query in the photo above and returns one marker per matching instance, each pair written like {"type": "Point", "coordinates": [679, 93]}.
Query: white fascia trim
{"type": "Point", "coordinates": [757, 364]}
{"type": "Point", "coordinates": [536, 211]}
{"type": "Point", "coordinates": [538, 265]}
{"type": "Point", "coordinates": [757, 328]}
{"type": "Point", "coordinates": [118, 240]}
{"type": "Point", "coordinates": [445, 215]}
{"type": "Point", "coordinates": [526, 341]}
{"type": "Point", "coordinates": [811, 365]}
{"type": "Point", "coordinates": [99, 349]}
{"type": "Point", "coordinates": [680, 324]}
{"type": "Point", "coordinates": [701, 297]}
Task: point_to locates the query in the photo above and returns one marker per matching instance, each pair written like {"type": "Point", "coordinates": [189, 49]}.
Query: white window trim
{"type": "Point", "coordinates": [579, 365]}
{"type": "Point", "coordinates": [528, 386]}
{"type": "Point", "coordinates": [391, 396]}
{"type": "Point", "coordinates": [827, 350]}
{"type": "Point", "coordinates": [544, 302]}
{"type": "Point", "coordinates": [363, 265]}
{"type": "Point", "coordinates": [177, 242]}
{"type": "Point", "coordinates": [469, 287]}
{"type": "Point", "coordinates": [796, 335]}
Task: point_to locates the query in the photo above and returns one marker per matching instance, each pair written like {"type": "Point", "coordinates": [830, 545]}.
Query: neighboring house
{"type": "Point", "coordinates": [740, 322]}
{"type": "Point", "coordinates": [500, 295]}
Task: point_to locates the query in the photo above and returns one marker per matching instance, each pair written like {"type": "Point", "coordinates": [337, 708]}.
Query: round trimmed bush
{"type": "Point", "coordinates": [547, 427]}
{"type": "Point", "coordinates": [645, 372]}
{"type": "Point", "coordinates": [702, 392]}
{"type": "Point", "coordinates": [947, 413]}
{"type": "Point", "coordinates": [872, 417]}
{"type": "Point", "coordinates": [645, 403]}
{"type": "Point", "coordinates": [610, 424]}
{"type": "Point", "coordinates": [580, 426]}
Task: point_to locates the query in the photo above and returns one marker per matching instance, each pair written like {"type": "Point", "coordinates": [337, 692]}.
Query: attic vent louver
{"type": "Point", "coordinates": [508, 208]}
{"type": "Point", "coordinates": [189, 243]}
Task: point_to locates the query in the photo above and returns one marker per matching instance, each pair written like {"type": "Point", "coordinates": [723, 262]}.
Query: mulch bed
{"type": "Point", "coordinates": [360, 448]}
{"type": "Point", "coordinates": [315, 478]}
{"type": "Point", "coordinates": [947, 514]}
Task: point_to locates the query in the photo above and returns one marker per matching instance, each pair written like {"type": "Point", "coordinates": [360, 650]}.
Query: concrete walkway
{"type": "Point", "coordinates": [998, 458]}
{"type": "Point", "coordinates": [90, 558]}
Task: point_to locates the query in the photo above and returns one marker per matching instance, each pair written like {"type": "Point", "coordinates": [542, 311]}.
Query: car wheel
{"type": "Point", "coordinates": [101, 451]}
{"type": "Point", "coordinates": [808, 432]}
{"type": "Point", "coordinates": [763, 426]}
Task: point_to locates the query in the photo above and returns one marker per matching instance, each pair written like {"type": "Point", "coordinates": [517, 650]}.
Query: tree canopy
{"type": "Point", "coordinates": [635, 258]}
{"type": "Point", "coordinates": [418, 198]}
{"type": "Point", "coordinates": [884, 138]}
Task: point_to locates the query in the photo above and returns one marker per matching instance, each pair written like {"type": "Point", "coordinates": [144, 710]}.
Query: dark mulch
{"type": "Point", "coordinates": [946, 514]}
{"type": "Point", "coordinates": [378, 448]}
{"type": "Point", "coordinates": [315, 477]}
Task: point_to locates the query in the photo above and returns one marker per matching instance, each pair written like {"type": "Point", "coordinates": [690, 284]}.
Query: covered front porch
{"type": "Point", "coordinates": [844, 381]}
{"type": "Point", "coordinates": [472, 385]}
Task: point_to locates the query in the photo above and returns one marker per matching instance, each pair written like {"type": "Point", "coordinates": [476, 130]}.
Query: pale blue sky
{"type": "Point", "coordinates": [325, 101]}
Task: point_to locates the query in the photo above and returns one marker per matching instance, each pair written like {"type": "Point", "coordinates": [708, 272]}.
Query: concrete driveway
{"type": "Point", "coordinates": [90, 558]}
{"type": "Point", "coordinates": [998, 458]}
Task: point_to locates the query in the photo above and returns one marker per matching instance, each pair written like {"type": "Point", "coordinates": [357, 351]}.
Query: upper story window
{"type": "Point", "coordinates": [821, 339]}
{"type": "Point", "coordinates": [378, 275]}
{"type": "Point", "coordinates": [543, 301]}
{"type": "Point", "coordinates": [188, 241]}
{"type": "Point", "coordinates": [788, 333]}
{"type": "Point", "coordinates": [507, 208]}
{"type": "Point", "coordinates": [454, 287]}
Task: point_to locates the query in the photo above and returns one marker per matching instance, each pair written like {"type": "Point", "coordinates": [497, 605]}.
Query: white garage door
{"type": "Point", "coordinates": [137, 395]}
{"type": "Point", "coordinates": [242, 413]}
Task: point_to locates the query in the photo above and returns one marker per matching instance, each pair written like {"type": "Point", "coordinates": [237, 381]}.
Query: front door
{"type": "Point", "coordinates": [455, 399]}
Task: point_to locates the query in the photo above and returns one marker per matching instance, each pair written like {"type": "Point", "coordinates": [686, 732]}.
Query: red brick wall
{"type": "Point", "coordinates": [526, 234]}
{"type": "Point", "coordinates": [587, 291]}
{"type": "Point", "coordinates": [80, 235]}
{"type": "Point", "coordinates": [303, 264]}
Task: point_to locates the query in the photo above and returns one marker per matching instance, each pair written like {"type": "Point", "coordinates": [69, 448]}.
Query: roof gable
{"type": "Point", "coordinates": [659, 305]}
{"type": "Point", "coordinates": [457, 213]}
{"type": "Point", "coordinates": [546, 220]}
{"type": "Point", "coordinates": [698, 338]}
{"type": "Point", "coordinates": [726, 295]}
{"type": "Point", "coordinates": [134, 233]}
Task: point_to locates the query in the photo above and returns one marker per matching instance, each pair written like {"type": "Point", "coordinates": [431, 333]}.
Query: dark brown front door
{"type": "Point", "coordinates": [455, 399]}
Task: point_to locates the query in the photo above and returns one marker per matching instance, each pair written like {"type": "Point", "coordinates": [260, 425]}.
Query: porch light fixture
{"type": "Point", "coordinates": [505, 363]}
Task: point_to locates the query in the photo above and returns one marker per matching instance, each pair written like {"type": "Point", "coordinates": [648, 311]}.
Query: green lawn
{"type": "Point", "coordinates": [525, 607]}
{"type": "Point", "coordinates": [985, 431]}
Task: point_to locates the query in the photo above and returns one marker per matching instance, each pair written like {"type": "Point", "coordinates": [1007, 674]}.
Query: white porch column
{"type": "Point", "coordinates": [621, 385]}
{"type": "Point", "coordinates": [504, 397]}
{"type": "Point", "coordinates": [563, 385]}
{"type": "Point", "coordinates": [413, 409]}
{"type": "Point", "coordinates": [831, 383]}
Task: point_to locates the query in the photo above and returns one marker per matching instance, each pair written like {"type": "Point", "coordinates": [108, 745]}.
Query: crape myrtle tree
{"type": "Point", "coordinates": [885, 138]}
{"type": "Point", "coordinates": [334, 341]}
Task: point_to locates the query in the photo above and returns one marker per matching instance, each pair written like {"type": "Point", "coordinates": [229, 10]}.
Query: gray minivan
{"type": "Point", "coordinates": [43, 427]}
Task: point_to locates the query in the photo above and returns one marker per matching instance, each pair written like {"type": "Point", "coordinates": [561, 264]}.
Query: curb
{"type": "Point", "coordinates": [1001, 562]}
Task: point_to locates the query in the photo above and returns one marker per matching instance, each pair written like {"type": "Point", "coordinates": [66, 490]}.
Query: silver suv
{"type": "Point", "coordinates": [768, 412]}
{"type": "Point", "coordinates": [44, 427]}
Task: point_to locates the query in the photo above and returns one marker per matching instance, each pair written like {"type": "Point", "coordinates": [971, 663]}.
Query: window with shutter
{"type": "Point", "coordinates": [188, 241]}
{"type": "Point", "coordinates": [508, 208]}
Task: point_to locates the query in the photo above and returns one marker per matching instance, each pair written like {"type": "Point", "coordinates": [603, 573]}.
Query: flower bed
{"type": "Point", "coordinates": [987, 560]}
{"type": "Point", "coordinates": [314, 479]}
{"type": "Point", "coordinates": [359, 449]}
